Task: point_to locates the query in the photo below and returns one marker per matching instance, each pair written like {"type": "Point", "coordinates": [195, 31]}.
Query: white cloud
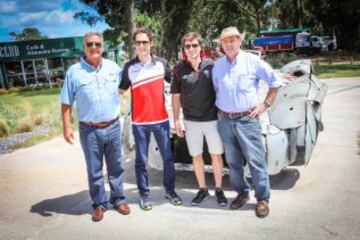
{"type": "Point", "coordinates": [8, 7]}
{"type": "Point", "coordinates": [47, 18]}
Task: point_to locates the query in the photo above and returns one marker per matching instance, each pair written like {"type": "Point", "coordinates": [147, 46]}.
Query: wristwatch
{"type": "Point", "coordinates": [267, 104]}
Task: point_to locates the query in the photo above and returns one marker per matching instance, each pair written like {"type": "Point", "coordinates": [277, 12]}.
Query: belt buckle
{"type": "Point", "coordinates": [232, 115]}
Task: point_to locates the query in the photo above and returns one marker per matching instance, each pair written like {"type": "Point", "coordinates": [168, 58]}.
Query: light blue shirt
{"type": "Point", "coordinates": [236, 83]}
{"type": "Point", "coordinates": [95, 91]}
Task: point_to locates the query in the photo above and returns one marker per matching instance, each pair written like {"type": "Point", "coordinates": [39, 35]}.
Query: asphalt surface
{"type": "Point", "coordinates": [44, 192]}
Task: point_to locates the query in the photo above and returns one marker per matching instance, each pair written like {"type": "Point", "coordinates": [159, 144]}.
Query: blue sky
{"type": "Point", "coordinates": [54, 18]}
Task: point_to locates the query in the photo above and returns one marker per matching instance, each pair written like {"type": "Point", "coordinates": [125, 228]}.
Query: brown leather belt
{"type": "Point", "coordinates": [235, 115]}
{"type": "Point", "coordinates": [100, 124]}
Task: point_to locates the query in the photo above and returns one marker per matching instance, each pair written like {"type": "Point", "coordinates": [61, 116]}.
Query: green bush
{"type": "Point", "coordinates": [3, 91]}
{"type": "Point", "coordinates": [15, 89]}
{"type": "Point", "coordinates": [25, 126]}
{"type": "Point", "coordinates": [28, 88]}
{"type": "Point", "coordinates": [11, 114]}
{"type": "Point", "coordinates": [55, 85]}
{"type": "Point", "coordinates": [278, 60]}
{"type": "Point", "coordinates": [37, 120]}
{"type": "Point", "coordinates": [4, 128]}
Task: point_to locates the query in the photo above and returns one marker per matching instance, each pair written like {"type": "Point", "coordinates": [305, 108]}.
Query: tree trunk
{"type": "Point", "coordinates": [130, 26]}
{"type": "Point", "coordinates": [299, 8]}
{"type": "Point", "coordinates": [258, 18]}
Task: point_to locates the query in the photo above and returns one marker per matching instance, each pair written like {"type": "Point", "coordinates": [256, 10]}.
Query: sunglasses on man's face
{"type": "Point", "coordinates": [144, 43]}
{"type": "Point", "coordinates": [188, 46]}
{"type": "Point", "coordinates": [92, 44]}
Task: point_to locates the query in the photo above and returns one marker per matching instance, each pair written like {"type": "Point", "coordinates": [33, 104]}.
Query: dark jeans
{"type": "Point", "coordinates": [161, 133]}
{"type": "Point", "coordinates": [97, 143]}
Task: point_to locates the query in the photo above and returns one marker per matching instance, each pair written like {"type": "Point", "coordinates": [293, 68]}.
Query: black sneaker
{"type": "Point", "coordinates": [220, 197]}
{"type": "Point", "coordinates": [201, 195]}
{"type": "Point", "coordinates": [174, 198]}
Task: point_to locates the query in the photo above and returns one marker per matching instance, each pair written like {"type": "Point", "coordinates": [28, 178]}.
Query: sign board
{"type": "Point", "coordinates": [46, 48]}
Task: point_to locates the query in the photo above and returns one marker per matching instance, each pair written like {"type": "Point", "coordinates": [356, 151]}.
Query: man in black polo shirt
{"type": "Point", "coordinates": [192, 89]}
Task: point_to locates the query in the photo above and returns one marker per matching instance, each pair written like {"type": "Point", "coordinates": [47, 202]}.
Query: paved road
{"type": "Point", "coordinates": [44, 193]}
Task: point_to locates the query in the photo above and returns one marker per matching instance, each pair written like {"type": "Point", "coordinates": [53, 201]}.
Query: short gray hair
{"type": "Point", "coordinates": [90, 34]}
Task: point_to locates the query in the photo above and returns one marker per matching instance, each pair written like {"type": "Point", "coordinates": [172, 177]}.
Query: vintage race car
{"type": "Point", "coordinates": [289, 128]}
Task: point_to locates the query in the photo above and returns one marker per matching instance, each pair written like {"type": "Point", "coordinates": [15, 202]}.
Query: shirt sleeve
{"type": "Point", "coordinates": [168, 72]}
{"type": "Point", "coordinates": [175, 82]}
{"type": "Point", "coordinates": [67, 95]}
{"type": "Point", "coordinates": [267, 73]}
{"type": "Point", "coordinates": [213, 77]}
{"type": "Point", "coordinates": [125, 80]}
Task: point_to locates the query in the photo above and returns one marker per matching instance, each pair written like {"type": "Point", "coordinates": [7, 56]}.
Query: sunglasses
{"type": "Point", "coordinates": [92, 44]}
{"type": "Point", "coordinates": [144, 43]}
{"type": "Point", "coordinates": [188, 46]}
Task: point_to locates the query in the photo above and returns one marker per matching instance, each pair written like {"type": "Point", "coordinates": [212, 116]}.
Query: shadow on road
{"type": "Point", "coordinates": [80, 203]}
{"type": "Point", "coordinates": [73, 204]}
{"type": "Point", "coordinates": [285, 180]}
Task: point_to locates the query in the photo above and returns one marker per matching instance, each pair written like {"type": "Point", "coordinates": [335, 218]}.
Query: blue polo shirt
{"type": "Point", "coordinates": [236, 83]}
{"type": "Point", "coordinates": [95, 91]}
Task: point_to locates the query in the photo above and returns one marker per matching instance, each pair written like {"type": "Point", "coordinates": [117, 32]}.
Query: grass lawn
{"type": "Point", "coordinates": [39, 100]}
{"type": "Point", "coordinates": [23, 111]}
{"type": "Point", "coordinates": [337, 70]}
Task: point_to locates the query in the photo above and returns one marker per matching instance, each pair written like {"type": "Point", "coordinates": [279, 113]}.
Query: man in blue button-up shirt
{"type": "Point", "coordinates": [93, 85]}
{"type": "Point", "coordinates": [236, 79]}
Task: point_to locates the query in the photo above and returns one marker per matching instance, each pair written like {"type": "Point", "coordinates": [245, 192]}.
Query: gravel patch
{"type": "Point", "coordinates": [7, 142]}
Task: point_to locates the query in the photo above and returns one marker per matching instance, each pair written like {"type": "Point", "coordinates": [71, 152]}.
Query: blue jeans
{"type": "Point", "coordinates": [242, 141]}
{"type": "Point", "coordinates": [161, 133]}
{"type": "Point", "coordinates": [97, 143]}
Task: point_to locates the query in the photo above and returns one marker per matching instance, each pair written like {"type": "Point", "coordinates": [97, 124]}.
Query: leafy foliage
{"type": "Point", "coordinates": [170, 19]}
{"type": "Point", "coordinates": [28, 34]}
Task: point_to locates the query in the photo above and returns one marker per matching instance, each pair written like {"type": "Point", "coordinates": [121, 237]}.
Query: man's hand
{"type": "Point", "coordinates": [256, 112]}
{"type": "Point", "coordinates": [262, 107]}
{"type": "Point", "coordinates": [178, 129]}
{"type": "Point", "coordinates": [66, 116]}
{"type": "Point", "coordinates": [69, 135]}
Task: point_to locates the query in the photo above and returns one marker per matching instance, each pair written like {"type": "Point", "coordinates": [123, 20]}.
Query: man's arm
{"type": "Point", "coordinates": [125, 82]}
{"type": "Point", "coordinates": [66, 120]}
{"type": "Point", "coordinates": [175, 103]}
{"type": "Point", "coordinates": [267, 73]}
{"type": "Point", "coordinates": [262, 107]}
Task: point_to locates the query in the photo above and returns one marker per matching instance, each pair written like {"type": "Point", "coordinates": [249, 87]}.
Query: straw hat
{"type": "Point", "coordinates": [231, 32]}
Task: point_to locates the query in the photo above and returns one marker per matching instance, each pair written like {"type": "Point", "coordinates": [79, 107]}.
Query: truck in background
{"type": "Point", "coordinates": [296, 39]}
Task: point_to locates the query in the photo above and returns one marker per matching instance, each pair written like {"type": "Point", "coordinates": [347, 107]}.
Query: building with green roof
{"type": "Point", "coordinates": [24, 63]}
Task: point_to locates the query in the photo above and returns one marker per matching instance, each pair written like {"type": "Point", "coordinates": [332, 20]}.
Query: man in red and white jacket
{"type": "Point", "coordinates": [145, 75]}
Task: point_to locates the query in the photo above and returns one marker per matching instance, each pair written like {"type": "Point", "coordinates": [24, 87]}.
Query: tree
{"type": "Point", "coordinates": [174, 17]}
{"type": "Point", "coordinates": [27, 34]}
{"type": "Point", "coordinates": [256, 9]}
{"type": "Point", "coordinates": [119, 15]}
{"type": "Point", "coordinates": [122, 16]}
{"type": "Point", "coordinates": [209, 17]}
{"type": "Point", "coordinates": [331, 17]}
{"type": "Point", "coordinates": [340, 18]}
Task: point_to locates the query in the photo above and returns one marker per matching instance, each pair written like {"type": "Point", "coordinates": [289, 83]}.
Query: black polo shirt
{"type": "Point", "coordinates": [196, 90]}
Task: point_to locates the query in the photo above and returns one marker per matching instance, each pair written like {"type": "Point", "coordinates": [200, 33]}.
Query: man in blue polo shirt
{"type": "Point", "coordinates": [236, 79]}
{"type": "Point", "coordinates": [93, 85]}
